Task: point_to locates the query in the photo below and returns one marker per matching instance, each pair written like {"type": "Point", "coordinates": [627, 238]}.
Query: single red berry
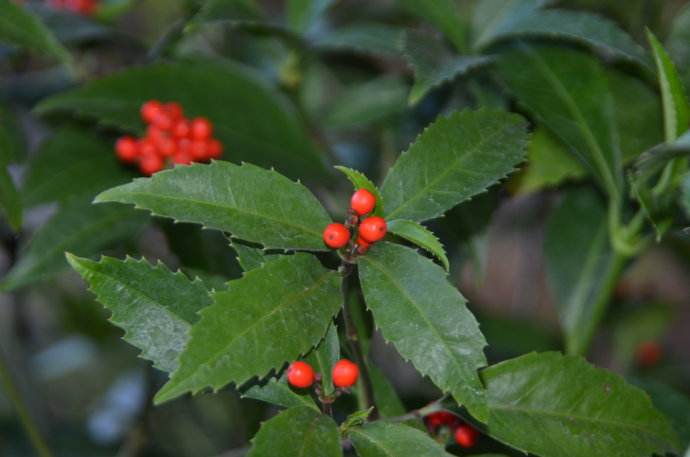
{"type": "Point", "coordinates": [174, 110]}
{"type": "Point", "coordinates": [202, 129]}
{"type": "Point", "coordinates": [300, 374]}
{"type": "Point", "coordinates": [466, 436]}
{"type": "Point", "coordinates": [363, 202]}
{"type": "Point", "coordinates": [372, 229]}
{"type": "Point", "coordinates": [345, 373]}
{"type": "Point", "coordinates": [182, 129]}
{"type": "Point", "coordinates": [199, 150]}
{"type": "Point", "coordinates": [648, 353]}
{"type": "Point", "coordinates": [151, 164]}
{"type": "Point", "coordinates": [336, 235]}
{"type": "Point", "coordinates": [440, 418]}
{"type": "Point", "coordinates": [215, 149]}
{"type": "Point", "coordinates": [126, 149]}
{"type": "Point", "coordinates": [147, 148]}
{"type": "Point", "coordinates": [182, 157]}
{"type": "Point", "coordinates": [150, 110]}
{"type": "Point", "coordinates": [362, 245]}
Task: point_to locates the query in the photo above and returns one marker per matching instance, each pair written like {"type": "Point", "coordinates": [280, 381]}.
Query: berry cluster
{"type": "Point", "coordinates": [170, 138]}
{"type": "Point", "coordinates": [301, 374]}
{"type": "Point", "coordinates": [369, 230]}
{"type": "Point", "coordinates": [86, 7]}
{"type": "Point", "coordinates": [464, 434]}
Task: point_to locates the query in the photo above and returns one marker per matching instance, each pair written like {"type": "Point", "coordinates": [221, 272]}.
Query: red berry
{"type": "Point", "coordinates": [372, 229]}
{"type": "Point", "coordinates": [166, 146]}
{"type": "Point", "coordinates": [345, 373]}
{"type": "Point", "coordinates": [362, 245]}
{"type": "Point", "coordinates": [201, 129]}
{"type": "Point", "coordinates": [155, 134]}
{"type": "Point", "coordinates": [215, 149]}
{"type": "Point", "coordinates": [182, 129]}
{"type": "Point", "coordinates": [199, 150]}
{"type": "Point", "coordinates": [163, 120]}
{"type": "Point", "coordinates": [126, 149]}
{"type": "Point", "coordinates": [151, 164]}
{"type": "Point", "coordinates": [440, 418]}
{"type": "Point", "coordinates": [174, 110]}
{"type": "Point", "coordinates": [147, 148]}
{"type": "Point", "coordinates": [466, 436]}
{"type": "Point", "coordinates": [363, 202]}
{"type": "Point", "coordinates": [182, 157]}
{"type": "Point", "coordinates": [150, 110]}
{"type": "Point", "coordinates": [336, 236]}
{"type": "Point", "coordinates": [300, 374]}
{"type": "Point", "coordinates": [648, 353]}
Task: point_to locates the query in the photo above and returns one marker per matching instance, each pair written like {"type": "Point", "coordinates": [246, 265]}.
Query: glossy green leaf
{"type": "Point", "coordinates": [567, 91]}
{"type": "Point", "coordinates": [324, 357]}
{"type": "Point", "coordinates": [492, 16]}
{"type": "Point", "coordinates": [303, 15]}
{"type": "Point", "coordinates": [154, 306]}
{"type": "Point", "coordinates": [387, 400]}
{"type": "Point", "coordinates": [20, 28]}
{"type": "Point", "coordinates": [675, 102]}
{"type": "Point", "coordinates": [386, 439]}
{"type": "Point", "coordinates": [360, 181]}
{"type": "Point", "coordinates": [443, 14]}
{"type": "Point", "coordinates": [250, 257]}
{"type": "Point", "coordinates": [254, 122]}
{"type": "Point", "coordinates": [673, 403]}
{"type": "Point", "coordinates": [581, 266]}
{"type": "Point", "coordinates": [277, 392]}
{"type": "Point", "coordinates": [452, 160]}
{"type": "Point", "coordinates": [560, 406]}
{"type": "Point", "coordinates": [272, 315]}
{"type": "Point", "coordinates": [77, 227]}
{"type": "Point", "coordinates": [71, 164]}
{"type": "Point", "coordinates": [297, 432]}
{"type": "Point", "coordinates": [249, 202]}
{"type": "Point", "coordinates": [421, 236]}
{"type": "Point", "coordinates": [425, 317]}
{"type": "Point", "coordinates": [363, 37]}
{"type": "Point", "coordinates": [434, 65]}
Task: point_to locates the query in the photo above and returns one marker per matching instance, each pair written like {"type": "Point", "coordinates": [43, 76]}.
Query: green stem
{"type": "Point", "coordinates": [25, 418]}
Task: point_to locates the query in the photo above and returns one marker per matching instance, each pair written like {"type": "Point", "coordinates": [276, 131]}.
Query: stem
{"type": "Point", "coordinates": [25, 418]}
{"type": "Point", "coordinates": [434, 406]}
{"type": "Point", "coordinates": [353, 340]}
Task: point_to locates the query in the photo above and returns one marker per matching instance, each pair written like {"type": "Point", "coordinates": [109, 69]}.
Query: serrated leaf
{"type": "Point", "coordinates": [360, 181]}
{"type": "Point", "coordinates": [277, 392]}
{"type": "Point", "coordinates": [386, 439]}
{"type": "Point", "coordinates": [254, 122]}
{"type": "Point", "coordinates": [675, 102]}
{"type": "Point", "coordinates": [297, 432]}
{"type": "Point", "coordinates": [272, 315]}
{"type": "Point", "coordinates": [324, 357]}
{"type": "Point", "coordinates": [250, 257]}
{"type": "Point", "coordinates": [560, 406]}
{"type": "Point", "coordinates": [71, 164]}
{"type": "Point", "coordinates": [77, 227]}
{"type": "Point", "coordinates": [249, 202]}
{"type": "Point", "coordinates": [443, 14]}
{"type": "Point", "coordinates": [452, 160]}
{"type": "Point", "coordinates": [580, 266]}
{"type": "Point", "coordinates": [425, 317]}
{"type": "Point", "coordinates": [303, 15]}
{"type": "Point", "coordinates": [567, 91]}
{"type": "Point", "coordinates": [492, 16]}
{"type": "Point", "coordinates": [363, 37]}
{"type": "Point", "coordinates": [421, 236]}
{"type": "Point", "coordinates": [434, 65]}
{"type": "Point", "coordinates": [154, 306]}
{"type": "Point", "coordinates": [20, 28]}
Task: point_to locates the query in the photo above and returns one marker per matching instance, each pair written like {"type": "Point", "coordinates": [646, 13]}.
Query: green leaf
{"type": "Point", "coordinates": [303, 15]}
{"type": "Point", "coordinates": [71, 164]}
{"type": "Point", "coordinates": [154, 306]}
{"type": "Point", "coordinates": [588, 29]}
{"type": "Point", "coordinates": [297, 432]}
{"type": "Point", "coordinates": [425, 317]}
{"type": "Point", "coordinates": [365, 103]}
{"type": "Point", "coordinates": [228, 9]}
{"type": "Point", "coordinates": [567, 91]}
{"type": "Point", "coordinates": [386, 439]}
{"type": "Point", "coordinates": [673, 403]}
{"type": "Point", "coordinates": [360, 181]}
{"type": "Point", "coordinates": [363, 37]}
{"type": "Point", "coordinates": [443, 14]}
{"type": "Point", "coordinates": [492, 16]}
{"type": "Point", "coordinates": [254, 122]}
{"type": "Point", "coordinates": [452, 160]}
{"type": "Point", "coordinates": [277, 392]}
{"type": "Point", "coordinates": [324, 357]}
{"type": "Point", "coordinates": [249, 202]}
{"type": "Point", "coordinates": [10, 200]}
{"type": "Point", "coordinates": [77, 227]}
{"type": "Point", "coordinates": [421, 236]}
{"type": "Point", "coordinates": [387, 399]}
{"type": "Point", "coordinates": [20, 28]}
{"type": "Point", "coordinates": [434, 65]}
{"type": "Point", "coordinates": [272, 315]}
{"type": "Point", "coordinates": [250, 257]}
{"type": "Point", "coordinates": [675, 102]}
{"type": "Point", "coordinates": [685, 199]}
{"type": "Point", "coordinates": [560, 406]}
{"type": "Point", "coordinates": [653, 161]}
{"type": "Point", "coordinates": [581, 266]}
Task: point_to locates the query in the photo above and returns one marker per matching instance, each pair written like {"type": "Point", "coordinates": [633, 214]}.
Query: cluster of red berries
{"type": "Point", "coordinates": [86, 7]}
{"type": "Point", "coordinates": [369, 230]}
{"type": "Point", "coordinates": [464, 434]}
{"type": "Point", "coordinates": [301, 374]}
{"type": "Point", "coordinates": [170, 138]}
